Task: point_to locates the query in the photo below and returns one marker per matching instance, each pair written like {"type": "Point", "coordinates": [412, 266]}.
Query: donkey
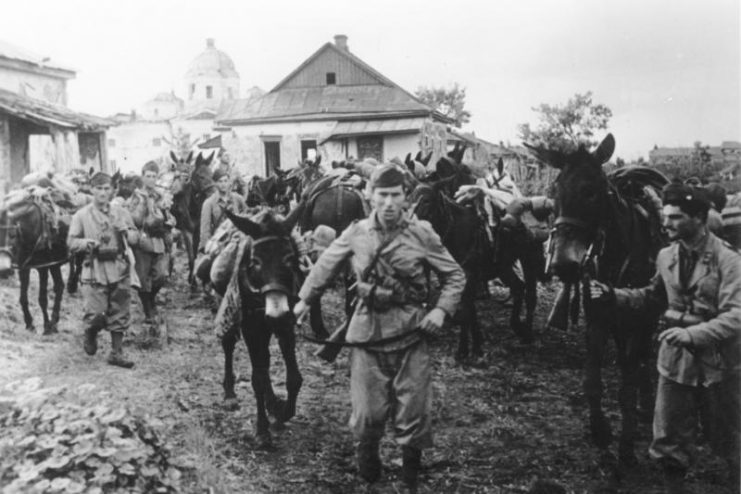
{"type": "Point", "coordinates": [34, 244]}
{"type": "Point", "coordinates": [268, 279]}
{"type": "Point", "coordinates": [602, 232]}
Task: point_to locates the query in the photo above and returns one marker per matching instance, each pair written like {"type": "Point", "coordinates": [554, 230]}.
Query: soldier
{"type": "Point", "coordinates": [102, 230]}
{"type": "Point", "coordinates": [391, 369]}
{"type": "Point", "coordinates": [153, 222]}
{"type": "Point", "coordinates": [212, 211]}
{"type": "Point", "coordinates": [698, 283]}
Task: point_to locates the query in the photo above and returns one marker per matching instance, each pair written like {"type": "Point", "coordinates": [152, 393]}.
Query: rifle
{"type": "Point", "coordinates": [334, 343]}
{"type": "Point", "coordinates": [674, 318]}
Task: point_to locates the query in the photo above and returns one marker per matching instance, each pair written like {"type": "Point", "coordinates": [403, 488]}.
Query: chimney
{"type": "Point", "coordinates": [210, 43]}
{"type": "Point", "coordinates": [340, 41]}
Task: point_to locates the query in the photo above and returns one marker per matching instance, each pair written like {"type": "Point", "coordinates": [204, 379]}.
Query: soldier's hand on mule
{"type": "Point", "coordinates": [600, 291]}
{"type": "Point", "coordinates": [676, 336]}
{"type": "Point", "coordinates": [433, 320]}
{"type": "Point", "coordinates": [92, 243]}
{"type": "Point", "coordinates": [300, 311]}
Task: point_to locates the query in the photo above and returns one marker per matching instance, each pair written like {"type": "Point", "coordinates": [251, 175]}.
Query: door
{"type": "Point", "coordinates": [272, 157]}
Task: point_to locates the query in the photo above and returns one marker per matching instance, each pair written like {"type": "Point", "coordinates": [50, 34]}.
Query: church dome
{"type": "Point", "coordinates": [212, 63]}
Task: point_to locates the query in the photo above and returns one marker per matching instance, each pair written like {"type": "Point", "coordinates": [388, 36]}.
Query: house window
{"type": "Point", "coordinates": [111, 143]}
{"type": "Point", "coordinates": [156, 142]}
{"type": "Point", "coordinates": [272, 157]}
{"type": "Point", "coordinates": [331, 78]}
{"type": "Point", "coordinates": [306, 147]}
{"type": "Point", "coordinates": [209, 92]}
{"type": "Point", "coordinates": [370, 147]}
{"type": "Point", "coordinates": [192, 90]}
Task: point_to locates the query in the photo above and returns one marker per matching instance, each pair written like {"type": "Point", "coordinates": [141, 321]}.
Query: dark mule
{"type": "Point", "coordinates": [269, 278]}
{"type": "Point", "coordinates": [33, 243]}
{"type": "Point", "coordinates": [269, 191]}
{"type": "Point", "coordinates": [606, 230]}
{"type": "Point", "coordinates": [336, 205]}
{"type": "Point", "coordinates": [190, 187]}
{"type": "Point", "coordinates": [462, 229]}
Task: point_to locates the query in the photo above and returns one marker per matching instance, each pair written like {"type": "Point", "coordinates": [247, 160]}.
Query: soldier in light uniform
{"type": "Point", "coordinates": [151, 219]}
{"type": "Point", "coordinates": [394, 376]}
{"type": "Point", "coordinates": [212, 211]}
{"type": "Point", "coordinates": [698, 283]}
{"type": "Point", "coordinates": [101, 230]}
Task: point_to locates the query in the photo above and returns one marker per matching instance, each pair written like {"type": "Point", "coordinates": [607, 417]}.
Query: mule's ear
{"type": "Point", "coordinates": [408, 159]}
{"type": "Point", "coordinates": [500, 167]}
{"type": "Point", "coordinates": [418, 157]}
{"type": "Point", "coordinates": [318, 160]}
{"type": "Point", "coordinates": [426, 161]}
{"type": "Point", "coordinates": [604, 151]}
{"type": "Point", "coordinates": [210, 157]}
{"type": "Point", "coordinates": [189, 158]}
{"type": "Point", "coordinates": [244, 224]}
{"type": "Point", "coordinates": [173, 157]}
{"type": "Point", "coordinates": [91, 171]}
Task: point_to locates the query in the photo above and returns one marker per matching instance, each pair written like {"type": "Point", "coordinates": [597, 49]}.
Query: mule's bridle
{"type": "Point", "coordinates": [269, 238]}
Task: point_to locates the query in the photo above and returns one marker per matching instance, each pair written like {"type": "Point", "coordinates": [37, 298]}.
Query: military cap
{"type": "Point", "coordinates": [150, 166]}
{"type": "Point", "coordinates": [692, 200]}
{"type": "Point", "coordinates": [219, 174]}
{"type": "Point", "coordinates": [387, 175]}
{"type": "Point", "coordinates": [100, 178]}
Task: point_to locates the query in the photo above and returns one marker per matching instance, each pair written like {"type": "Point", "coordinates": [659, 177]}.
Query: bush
{"type": "Point", "coordinates": [49, 443]}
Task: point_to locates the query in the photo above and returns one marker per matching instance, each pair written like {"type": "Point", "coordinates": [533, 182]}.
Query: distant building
{"type": "Point", "coordinates": [151, 132]}
{"type": "Point", "coordinates": [728, 153]}
{"type": "Point", "coordinates": [333, 104]}
{"type": "Point", "coordinates": [37, 130]}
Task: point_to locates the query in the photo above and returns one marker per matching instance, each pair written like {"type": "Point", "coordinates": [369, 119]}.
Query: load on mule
{"type": "Point", "coordinates": [608, 229]}
{"type": "Point", "coordinates": [261, 289]}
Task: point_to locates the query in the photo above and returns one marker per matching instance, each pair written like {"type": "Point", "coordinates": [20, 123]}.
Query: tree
{"type": "Point", "coordinates": [697, 163]}
{"type": "Point", "coordinates": [565, 128]}
{"type": "Point", "coordinates": [448, 101]}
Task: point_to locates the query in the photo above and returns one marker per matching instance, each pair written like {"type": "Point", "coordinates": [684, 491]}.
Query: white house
{"type": "Point", "coordinates": [333, 103]}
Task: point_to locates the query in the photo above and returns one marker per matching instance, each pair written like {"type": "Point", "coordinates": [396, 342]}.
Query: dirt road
{"type": "Point", "coordinates": [498, 428]}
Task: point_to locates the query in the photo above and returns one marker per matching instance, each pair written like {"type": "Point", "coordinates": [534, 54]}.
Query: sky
{"type": "Point", "coordinates": [670, 70]}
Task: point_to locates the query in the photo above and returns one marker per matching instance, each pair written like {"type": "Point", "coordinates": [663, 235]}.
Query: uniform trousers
{"type": "Point", "coordinates": [395, 384]}
{"type": "Point", "coordinates": [113, 300]}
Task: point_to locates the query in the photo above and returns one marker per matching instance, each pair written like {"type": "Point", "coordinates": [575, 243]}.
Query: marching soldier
{"type": "Point", "coordinates": [152, 220]}
{"type": "Point", "coordinates": [698, 283]}
{"type": "Point", "coordinates": [212, 211]}
{"type": "Point", "coordinates": [102, 231]}
{"type": "Point", "coordinates": [391, 371]}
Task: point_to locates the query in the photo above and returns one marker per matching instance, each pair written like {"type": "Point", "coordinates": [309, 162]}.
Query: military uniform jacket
{"type": "Point", "coordinates": [714, 293]}
{"type": "Point", "coordinates": [145, 206]}
{"type": "Point", "coordinates": [101, 225]}
{"type": "Point", "coordinates": [414, 248]}
{"type": "Point", "coordinates": [212, 212]}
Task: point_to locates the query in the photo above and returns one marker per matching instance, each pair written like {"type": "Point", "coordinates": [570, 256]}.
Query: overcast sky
{"type": "Point", "coordinates": [670, 70]}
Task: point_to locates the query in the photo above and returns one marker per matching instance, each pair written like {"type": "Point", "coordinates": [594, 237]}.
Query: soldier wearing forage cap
{"type": "Point", "coordinates": [212, 211]}
{"type": "Point", "coordinates": [101, 230]}
{"type": "Point", "coordinates": [154, 223]}
{"type": "Point", "coordinates": [391, 373]}
{"type": "Point", "coordinates": [698, 284]}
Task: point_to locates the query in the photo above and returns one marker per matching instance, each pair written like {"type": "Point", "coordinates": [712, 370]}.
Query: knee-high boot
{"type": "Point", "coordinates": [369, 461]}
{"type": "Point", "coordinates": [91, 333]}
{"type": "Point", "coordinates": [117, 357]}
{"type": "Point", "coordinates": [146, 300]}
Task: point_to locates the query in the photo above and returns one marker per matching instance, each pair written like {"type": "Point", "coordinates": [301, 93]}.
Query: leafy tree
{"type": "Point", "coordinates": [697, 163]}
{"type": "Point", "coordinates": [566, 127]}
{"type": "Point", "coordinates": [448, 101]}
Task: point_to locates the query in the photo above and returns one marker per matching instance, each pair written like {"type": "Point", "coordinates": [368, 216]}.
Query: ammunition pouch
{"type": "Point", "coordinates": [106, 253]}
{"type": "Point", "coordinates": [674, 318]}
{"type": "Point", "coordinates": [381, 298]}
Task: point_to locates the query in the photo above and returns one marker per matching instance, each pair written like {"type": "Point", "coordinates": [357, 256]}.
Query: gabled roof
{"type": "Point", "coordinates": [43, 113]}
{"type": "Point", "coordinates": [330, 102]}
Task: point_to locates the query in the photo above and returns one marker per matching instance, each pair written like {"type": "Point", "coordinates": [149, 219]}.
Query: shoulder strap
{"type": "Point", "coordinates": [379, 251]}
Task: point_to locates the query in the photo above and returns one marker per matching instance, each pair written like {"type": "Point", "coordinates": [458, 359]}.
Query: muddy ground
{"type": "Point", "coordinates": [498, 429]}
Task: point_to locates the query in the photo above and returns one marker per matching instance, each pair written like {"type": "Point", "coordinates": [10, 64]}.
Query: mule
{"type": "Point", "coordinates": [462, 230]}
{"type": "Point", "coordinates": [603, 232]}
{"type": "Point", "coordinates": [268, 280]}
{"type": "Point", "coordinates": [33, 244]}
{"type": "Point", "coordinates": [190, 187]}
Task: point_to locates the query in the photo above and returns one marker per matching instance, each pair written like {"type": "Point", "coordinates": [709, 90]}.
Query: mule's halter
{"type": "Point", "coordinates": [594, 249]}
{"type": "Point", "coordinates": [270, 238]}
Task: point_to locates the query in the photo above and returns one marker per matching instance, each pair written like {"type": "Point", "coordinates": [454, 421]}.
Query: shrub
{"type": "Point", "coordinates": [49, 443]}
